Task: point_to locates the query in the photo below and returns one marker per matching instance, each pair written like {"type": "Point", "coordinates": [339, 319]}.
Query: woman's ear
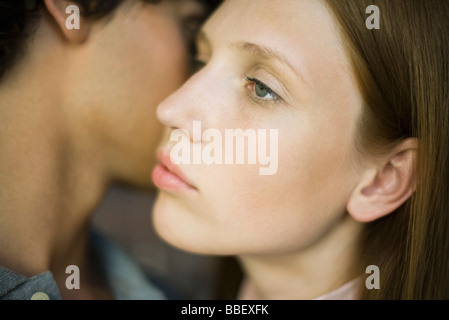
{"type": "Point", "coordinates": [387, 186]}
{"type": "Point", "coordinates": [67, 16]}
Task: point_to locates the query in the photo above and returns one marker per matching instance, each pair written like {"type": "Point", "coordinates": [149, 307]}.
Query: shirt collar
{"type": "Point", "coordinates": [15, 286]}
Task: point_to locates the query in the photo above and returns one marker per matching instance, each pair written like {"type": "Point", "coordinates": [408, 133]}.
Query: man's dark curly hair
{"type": "Point", "coordinates": [17, 18]}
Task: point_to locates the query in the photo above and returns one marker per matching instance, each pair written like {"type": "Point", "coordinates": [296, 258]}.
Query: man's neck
{"type": "Point", "coordinates": [48, 188]}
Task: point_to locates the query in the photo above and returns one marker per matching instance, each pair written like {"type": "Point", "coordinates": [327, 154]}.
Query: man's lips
{"type": "Point", "coordinates": [168, 176]}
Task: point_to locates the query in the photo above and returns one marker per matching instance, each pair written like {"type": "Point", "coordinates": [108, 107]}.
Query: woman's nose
{"type": "Point", "coordinates": [189, 104]}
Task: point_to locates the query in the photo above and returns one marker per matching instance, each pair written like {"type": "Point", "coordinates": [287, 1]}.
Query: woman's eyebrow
{"type": "Point", "coordinates": [202, 37]}
{"type": "Point", "coordinates": [264, 53]}
{"type": "Point", "coordinates": [203, 44]}
{"type": "Point", "coordinates": [259, 51]}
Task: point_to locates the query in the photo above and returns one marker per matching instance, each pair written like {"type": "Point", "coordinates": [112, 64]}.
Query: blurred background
{"type": "Point", "coordinates": [125, 217]}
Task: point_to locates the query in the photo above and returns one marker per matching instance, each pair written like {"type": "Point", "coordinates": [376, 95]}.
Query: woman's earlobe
{"type": "Point", "coordinates": [384, 189]}
{"type": "Point", "coordinates": [68, 18]}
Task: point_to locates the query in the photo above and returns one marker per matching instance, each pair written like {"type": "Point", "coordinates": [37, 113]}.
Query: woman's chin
{"type": "Point", "coordinates": [169, 226]}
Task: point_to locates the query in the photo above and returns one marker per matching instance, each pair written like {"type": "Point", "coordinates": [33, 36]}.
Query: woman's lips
{"type": "Point", "coordinates": [167, 176]}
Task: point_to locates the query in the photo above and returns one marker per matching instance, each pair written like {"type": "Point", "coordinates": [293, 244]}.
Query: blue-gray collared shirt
{"type": "Point", "coordinates": [125, 278]}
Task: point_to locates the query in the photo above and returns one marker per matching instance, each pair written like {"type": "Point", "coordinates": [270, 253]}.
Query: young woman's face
{"type": "Point", "coordinates": [268, 65]}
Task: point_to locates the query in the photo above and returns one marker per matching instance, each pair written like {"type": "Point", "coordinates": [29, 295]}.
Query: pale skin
{"type": "Point", "coordinates": [295, 233]}
{"type": "Point", "coordinates": [78, 113]}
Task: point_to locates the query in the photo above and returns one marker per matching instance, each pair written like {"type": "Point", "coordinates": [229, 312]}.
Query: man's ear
{"type": "Point", "coordinates": [387, 185]}
{"type": "Point", "coordinates": [67, 16]}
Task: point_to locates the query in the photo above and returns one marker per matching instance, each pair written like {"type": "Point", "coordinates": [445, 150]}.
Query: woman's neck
{"type": "Point", "coordinates": [306, 273]}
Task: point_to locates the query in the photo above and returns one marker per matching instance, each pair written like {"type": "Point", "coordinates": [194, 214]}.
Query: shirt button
{"type": "Point", "coordinates": [40, 296]}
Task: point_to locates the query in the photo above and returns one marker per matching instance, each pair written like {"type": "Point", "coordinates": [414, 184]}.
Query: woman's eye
{"type": "Point", "coordinates": [262, 91]}
{"type": "Point", "coordinates": [196, 65]}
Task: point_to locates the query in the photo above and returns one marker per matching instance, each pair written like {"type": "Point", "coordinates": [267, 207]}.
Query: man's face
{"type": "Point", "coordinates": [128, 65]}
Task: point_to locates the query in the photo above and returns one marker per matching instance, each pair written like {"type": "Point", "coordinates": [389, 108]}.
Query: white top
{"type": "Point", "coordinates": [345, 292]}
